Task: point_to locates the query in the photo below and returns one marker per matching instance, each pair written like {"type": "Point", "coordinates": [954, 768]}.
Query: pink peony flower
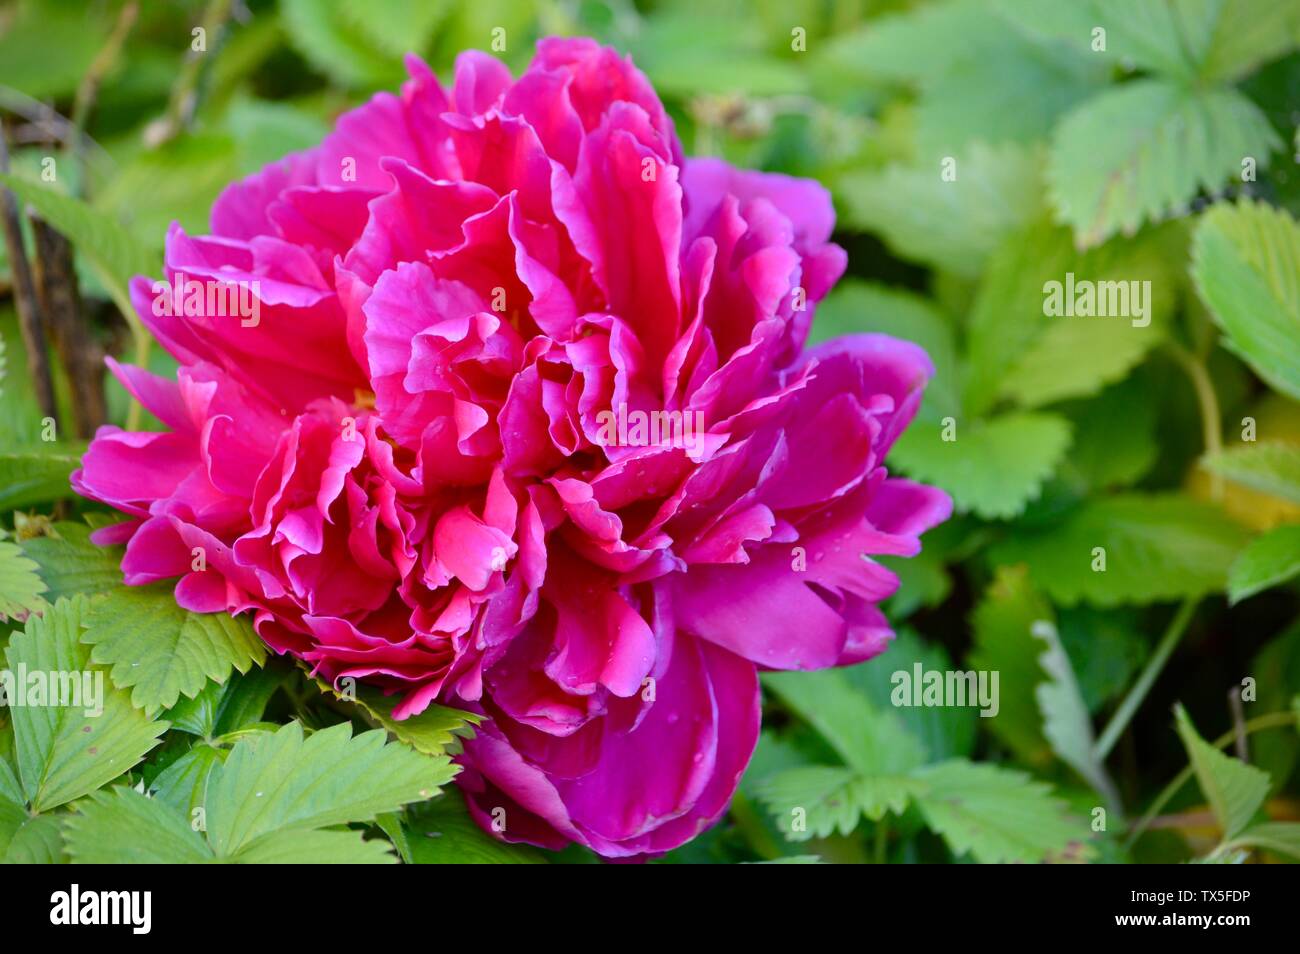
{"type": "Point", "coordinates": [521, 420]}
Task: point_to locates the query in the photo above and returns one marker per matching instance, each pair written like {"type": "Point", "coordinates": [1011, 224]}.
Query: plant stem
{"type": "Point", "coordinates": [54, 124]}
{"type": "Point", "coordinates": [1120, 720]}
{"type": "Point", "coordinates": [1239, 722]}
{"type": "Point", "coordinates": [30, 318]}
{"type": "Point", "coordinates": [185, 92]}
{"type": "Point", "coordinates": [88, 89]}
{"type": "Point", "coordinates": [1211, 421]}
{"type": "Point", "coordinates": [880, 847]}
{"type": "Point", "coordinates": [74, 341]}
{"type": "Point", "coordinates": [1273, 720]}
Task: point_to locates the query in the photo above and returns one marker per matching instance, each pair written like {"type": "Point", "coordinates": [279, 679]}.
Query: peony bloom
{"type": "Point", "coordinates": [521, 421]}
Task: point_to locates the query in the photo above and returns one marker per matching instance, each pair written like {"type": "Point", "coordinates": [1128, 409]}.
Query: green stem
{"type": "Point", "coordinates": [1120, 720]}
{"type": "Point", "coordinates": [880, 849]}
{"type": "Point", "coordinates": [88, 90]}
{"type": "Point", "coordinates": [1274, 720]}
{"type": "Point", "coordinates": [1211, 419]}
{"type": "Point", "coordinates": [185, 91]}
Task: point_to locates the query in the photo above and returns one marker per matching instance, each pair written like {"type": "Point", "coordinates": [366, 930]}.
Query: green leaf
{"type": "Point", "coordinates": [1280, 837]}
{"type": "Point", "coordinates": [70, 564]}
{"type": "Point", "coordinates": [182, 784]}
{"type": "Point", "coordinates": [1102, 353]}
{"type": "Point", "coordinates": [244, 52]}
{"type": "Point", "coordinates": [20, 586]}
{"type": "Point", "coordinates": [62, 751]}
{"type": "Point", "coordinates": [1106, 647]}
{"type": "Point", "coordinates": [923, 581]}
{"type": "Point", "coordinates": [13, 807]}
{"type": "Point", "coordinates": [821, 794]}
{"type": "Point", "coordinates": [1245, 261]}
{"type": "Point", "coordinates": [1077, 357]}
{"type": "Point", "coordinates": [954, 225]}
{"type": "Point", "coordinates": [319, 31]}
{"type": "Point", "coordinates": [118, 825]}
{"type": "Point", "coordinates": [1192, 40]}
{"type": "Point", "coordinates": [1003, 624]}
{"type": "Point", "coordinates": [942, 731]}
{"type": "Point", "coordinates": [267, 131]}
{"type": "Point", "coordinates": [1142, 33]}
{"type": "Point", "coordinates": [1268, 560]}
{"type": "Point", "coordinates": [25, 839]}
{"type": "Point", "coordinates": [1142, 151]}
{"type": "Point", "coordinates": [266, 803]}
{"type": "Point", "coordinates": [11, 790]}
{"type": "Point", "coordinates": [996, 814]}
{"type": "Point", "coordinates": [38, 841]}
{"type": "Point", "coordinates": [198, 716]}
{"type": "Point", "coordinates": [162, 651]}
{"type": "Point", "coordinates": [871, 741]}
{"type": "Point", "coordinates": [244, 699]}
{"type": "Point", "coordinates": [1066, 721]}
{"type": "Point", "coordinates": [441, 832]}
{"type": "Point", "coordinates": [398, 26]}
{"type": "Point", "coordinates": [36, 476]}
{"type": "Point", "coordinates": [1156, 547]}
{"type": "Point", "coordinates": [435, 731]}
{"type": "Point", "coordinates": [1273, 468]}
{"type": "Point", "coordinates": [1247, 33]}
{"type": "Point", "coordinates": [969, 63]}
{"type": "Point", "coordinates": [817, 801]}
{"type": "Point", "coordinates": [111, 250]}
{"type": "Point", "coordinates": [1008, 311]}
{"type": "Point", "coordinates": [968, 106]}
{"type": "Point", "coordinates": [1234, 789]}
{"type": "Point", "coordinates": [46, 50]}
{"type": "Point", "coordinates": [390, 823]}
{"type": "Point", "coordinates": [1103, 456]}
{"type": "Point", "coordinates": [273, 782]}
{"type": "Point", "coordinates": [317, 848]}
{"type": "Point", "coordinates": [1033, 336]}
{"type": "Point", "coordinates": [686, 53]}
{"type": "Point", "coordinates": [175, 182]}
{"type": "Point", "coordinates": [994, 467]}
{"type": "Point", "coordinates": [227, 707]}
{"type": "Point", "coordinates": [1276, 668]}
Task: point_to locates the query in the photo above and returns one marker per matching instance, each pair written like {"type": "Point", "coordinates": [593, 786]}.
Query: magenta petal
{"type": "Point", "coordinates": [403, 304]}
{"type": "Point", "coordinates": [470, 549]}
{"type": "Point", "coordinates": [656, 772]}
{"type": "Point", "coordinates": [202, 593]}
{"type": "Point", "coordinates": [752, 610]}
{"type": "Point", "coordinates": [481, 82]}
{"type": "Point", "coordinates": [599, 639]}
{"type": "Point", "coordinates": [240, 212]}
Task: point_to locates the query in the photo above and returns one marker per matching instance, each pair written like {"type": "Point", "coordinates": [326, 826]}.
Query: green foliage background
{"type": "Point", "coordinates": [976, 149]}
